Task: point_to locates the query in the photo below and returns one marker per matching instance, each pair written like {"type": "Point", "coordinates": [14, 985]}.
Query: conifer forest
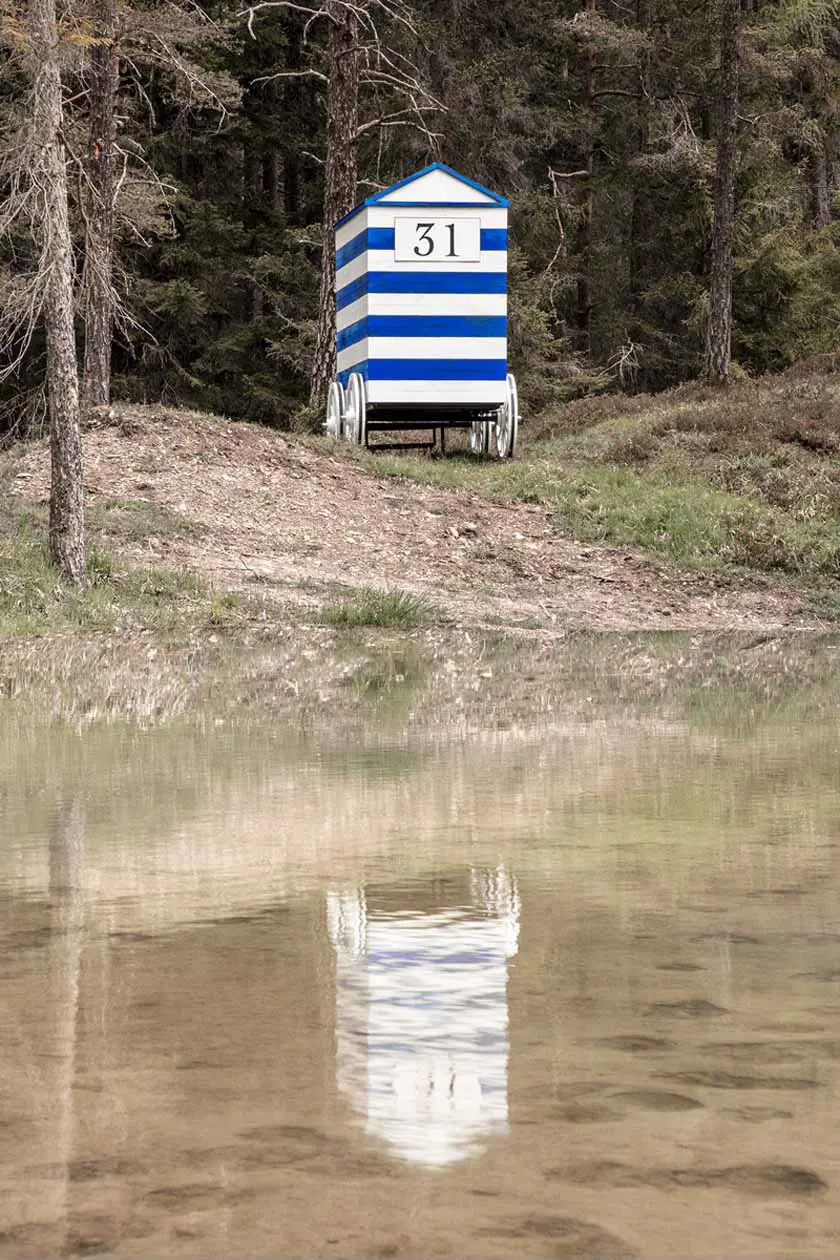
{"type": "Point", "coordinates": [673, 170]}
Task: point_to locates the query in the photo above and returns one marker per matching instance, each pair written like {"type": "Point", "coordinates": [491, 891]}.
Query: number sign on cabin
{"type": "Point", "coordinates": [421, 312]}
{"type": "Point", "coordinates": [421, 240]}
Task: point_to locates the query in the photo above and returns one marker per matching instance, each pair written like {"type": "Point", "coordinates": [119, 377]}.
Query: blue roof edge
{"type": "Point", "coordinates": [409, 179]}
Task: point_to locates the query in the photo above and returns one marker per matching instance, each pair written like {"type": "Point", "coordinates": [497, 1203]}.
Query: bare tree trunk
{"type": "Point", "coordinates": [819, 184]}
{"type": "Point", "coordinates": [587, 206]}
{"type": "Point", "coordinates": [339, 176]}
{"type": "Point", "coordinates": [719, 329]}
{"type": "Point", "coordinates": [642, 141]}
{"type": "Point", "coordinates": [66, 537]}
{"type": "Point", "coordinates": [100, 209]}
{"type": "Point", "coordinates": [252, 194]}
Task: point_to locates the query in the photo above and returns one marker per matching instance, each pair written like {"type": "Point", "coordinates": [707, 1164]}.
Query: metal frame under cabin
{"type": "Point", "coordinates": [428, 337]}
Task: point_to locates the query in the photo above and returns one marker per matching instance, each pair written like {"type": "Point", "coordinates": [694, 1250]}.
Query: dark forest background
{"type": "Point", "coordinates": [598, 119]}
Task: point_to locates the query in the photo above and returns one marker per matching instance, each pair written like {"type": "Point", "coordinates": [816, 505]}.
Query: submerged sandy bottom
{"type": "Point", "coordinates": [567, 990]}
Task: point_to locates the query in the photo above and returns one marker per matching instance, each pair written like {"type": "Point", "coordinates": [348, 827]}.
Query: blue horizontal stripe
{"type": "Point", "coordinates": [427, 370]}
{"type": "Point", "coordinates": [493, 240]}
{"type": "Point", "coordinates": [349, 336]}
{"type": "Point", "coordinates": [360, 368]}
{"type": "Point", "coordinates": [351, 293]}
{"type": "Point", "coordinates": [437, 326]}
{"type": "Point", "coordinates": [422, 326]}
{"type": "Point", "coordinates": [436, 369]}
{"type": "Point", "coordinates": [446, 282]}
{"type": "Point", "coordinates": [372, 238]}
{"type": "Point", "coordinates": [353, 249]}
{"type": "Point", "coordinates": [437, 282]}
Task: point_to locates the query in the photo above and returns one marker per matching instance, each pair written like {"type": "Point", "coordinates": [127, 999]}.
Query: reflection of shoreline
{"type": "Point", "coordinates": [252, 831]}
{"type": "Point", "coordinates": [422, 1018]}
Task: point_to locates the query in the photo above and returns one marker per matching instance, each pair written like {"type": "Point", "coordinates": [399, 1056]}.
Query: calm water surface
{"type": "Point", "coordinates": [547, 992]}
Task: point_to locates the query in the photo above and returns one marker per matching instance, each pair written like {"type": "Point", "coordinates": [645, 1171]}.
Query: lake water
{"type": "Point", "coordinates": [567, 991]}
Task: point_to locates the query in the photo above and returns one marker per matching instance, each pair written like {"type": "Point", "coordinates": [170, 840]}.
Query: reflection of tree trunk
{"type": "Point", "coordinates": [339, 177]}
{"type": "Point", "coordinates": [67, 865]}
{"type": "Point", "coordinates": [719, 330]}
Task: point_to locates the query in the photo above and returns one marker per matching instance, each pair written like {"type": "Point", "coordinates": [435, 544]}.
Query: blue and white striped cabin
{"type": "Point", "coordinates": [421, 293]}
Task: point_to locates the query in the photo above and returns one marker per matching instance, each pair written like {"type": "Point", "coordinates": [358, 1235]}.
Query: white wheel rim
{"type": "Point", "coordinates": [352, 410]}
{"type": "Point", "coordinates": [507, 425]}
{"type": "Point", "coordinates": [361, 427]}
{"type": "Point", "coordinates": [513, 394]}
{"type": "Point", "coordinates": [477, 437]}
{"type": "Point", "coordinates": [335, 406]}
{"type": "Point", "coordinates": [503, 430]}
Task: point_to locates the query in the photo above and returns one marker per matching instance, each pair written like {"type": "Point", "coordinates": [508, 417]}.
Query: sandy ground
{"type": "Point", "coordinates": [252, 510]}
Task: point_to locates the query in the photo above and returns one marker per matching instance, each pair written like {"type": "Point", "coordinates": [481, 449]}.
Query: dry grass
{"type": "Point", "coordinates": [776, 439]}
{"type": "Point", "coordinates": [745, 479]}
{"type": "Point", "coordinates": [276, 528]}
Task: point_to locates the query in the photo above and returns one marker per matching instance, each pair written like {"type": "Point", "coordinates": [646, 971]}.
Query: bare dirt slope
{"type": "Point", "coordinates": [253, 510]}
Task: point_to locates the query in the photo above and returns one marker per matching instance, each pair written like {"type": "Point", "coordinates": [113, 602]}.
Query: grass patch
{"type": "Point", "coordinates": [134, 520]}
{"type": "Point", "coordinates": [743, 479]}
{"type": "Point", "coordinates": [692, 523]}
{"type": "Point", "coordinates": [33, 599]}
{"type": "Point", "coordinates": [393, 610]}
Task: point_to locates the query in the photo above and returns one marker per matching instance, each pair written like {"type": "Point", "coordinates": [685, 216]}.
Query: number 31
{"type": "Point", "coordinates": [426, 239]}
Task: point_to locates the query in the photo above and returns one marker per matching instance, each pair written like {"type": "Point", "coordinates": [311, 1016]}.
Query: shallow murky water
{"type": "Point", "coordinates": [555, 992]}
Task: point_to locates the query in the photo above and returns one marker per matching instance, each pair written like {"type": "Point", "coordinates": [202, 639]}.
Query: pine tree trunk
{"type": "Point", "coordinates": [252, 196]}
{"type": "Point", "coordinates": [339, 177]}
{"type": "Point", "coordinates": [66, 535]}
{"type": "Point", "coordinates": [719, 329]}
{"type": "Point", "coordinates": [819, 184]}
{"type": "Point", "coordinates": [296, 101]}
{"type": "Point", "coordinates": [637, 223]}
{"type": "Point", "coordinates": [587, 206]}
{"type": "Point", "coordinates": [100, 209]}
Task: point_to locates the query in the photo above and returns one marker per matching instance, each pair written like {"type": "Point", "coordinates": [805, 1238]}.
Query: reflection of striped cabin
{"type": "Point", "coordinates": [421, 292]}
{"type": "Point", "coordinates": [422, 1015]}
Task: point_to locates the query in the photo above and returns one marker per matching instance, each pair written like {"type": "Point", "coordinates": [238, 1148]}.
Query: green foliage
{"type": "Point", "coordinates": [598, 124]}
{"type": "Point", "coordinates": [393, 610]}
{"type": "Point", "coordinates": [34, 601]}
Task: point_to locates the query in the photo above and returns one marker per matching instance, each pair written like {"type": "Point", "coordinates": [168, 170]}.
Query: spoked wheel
{"type": "Point", "coordinates": [477, 438]}
{"type": "Point", "coordinates": [507, 421]}
{"type": "Point", "coordinates": [335, 409]}
{"type": "Point", "coordinates": [355, 411]}
{"type": "Point", "coordinates": [481, 436]}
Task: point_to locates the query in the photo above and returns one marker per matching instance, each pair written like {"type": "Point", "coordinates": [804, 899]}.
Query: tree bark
{"type": "Point", "coordinates": [252, 193]}
{"type": "Point", "coordinates": [719, 328]}
{"type": "Point", "coordinates": [587, 205]}
{"type": "Point", "coordinates": [819, 185]}
{"type": "Point", "coordinates": [100, 209]}
{"type": "Point", "coordinates": [66, 532]}
{"type": "Point", "coordinates": [339, 177]}
{"type": "Point", "coordinates": [642, 142]}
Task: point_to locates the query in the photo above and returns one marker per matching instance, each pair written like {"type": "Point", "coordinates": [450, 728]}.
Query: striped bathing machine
{"type": "Point", "coordinates": [421, 314]}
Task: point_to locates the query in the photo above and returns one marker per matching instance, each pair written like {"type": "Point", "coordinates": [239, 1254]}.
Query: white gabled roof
{"type": "Point", "coordinates": [435, 185]}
